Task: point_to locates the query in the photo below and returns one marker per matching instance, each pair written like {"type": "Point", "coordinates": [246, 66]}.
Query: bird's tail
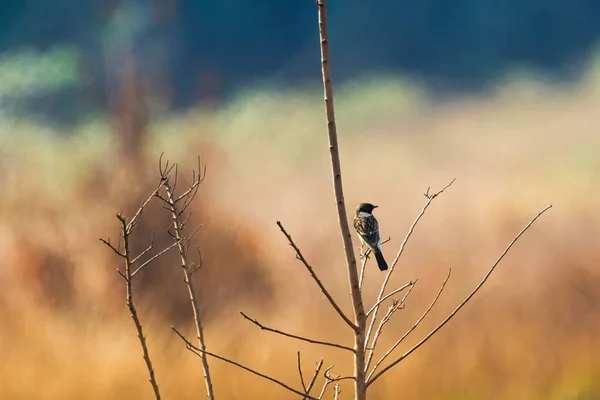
{"type": "Point", "coordinates": [380, 261]}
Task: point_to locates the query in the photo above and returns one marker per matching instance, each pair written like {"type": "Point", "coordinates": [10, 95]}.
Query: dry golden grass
{"type": "Point", "coordinates": [531, 333]}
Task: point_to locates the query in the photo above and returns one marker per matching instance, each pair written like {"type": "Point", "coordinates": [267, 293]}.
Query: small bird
{"type": "Point", "coordinates": [367, 227]}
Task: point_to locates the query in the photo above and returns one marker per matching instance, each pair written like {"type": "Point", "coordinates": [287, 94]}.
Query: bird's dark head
{"type": "Point", "coordinates": [365, 207]}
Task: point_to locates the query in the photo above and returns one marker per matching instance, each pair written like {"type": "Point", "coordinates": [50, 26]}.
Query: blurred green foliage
{"type": "Point", "coordinates": [446, 45]}
{"type": "Point", "coordinates": [27, 72]}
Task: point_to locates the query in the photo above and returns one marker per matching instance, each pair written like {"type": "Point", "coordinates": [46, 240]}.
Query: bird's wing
{"type": "Point", "coordinates": [368, 229]}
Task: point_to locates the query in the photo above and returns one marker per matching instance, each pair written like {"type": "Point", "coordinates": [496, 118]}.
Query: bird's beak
{"type": "Point", "coordinates": [375, 206]}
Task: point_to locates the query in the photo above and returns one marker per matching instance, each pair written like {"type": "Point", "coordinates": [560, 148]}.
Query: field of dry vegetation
{"type": "Point", "coordinates": [531, 333]}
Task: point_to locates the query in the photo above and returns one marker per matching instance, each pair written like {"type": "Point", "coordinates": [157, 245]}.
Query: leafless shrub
{"type": "Point", "coordinates": [133, 266]}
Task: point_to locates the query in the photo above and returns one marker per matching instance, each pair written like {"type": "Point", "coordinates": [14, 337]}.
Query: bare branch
{"type": "Point", "coordinates": [189, 199]}
{"type": "Point", "coordinates": [162, 199]}
{"type": "Point", "coordinates": [430, 198]}
{"type": "Point", "coordinates": [314, 275]}
{"type": "Point", "coordinates": [461, 305]}
{"type": "Point", "coordinates": [314, 377]}
{"type": "Point", "coordinates": [171, 233]}
{"type": "Point", "coordinates": [176, 177]}
{"type": "Point", "coordinates": [119, 242]}
{"type": "Point", "coordinates": [183, 247]}
{"type": "Point", "coordinates": [336, 391]}
{"type": "Point", "coordinates": [325, 384]}
{"type": "Point", "coordinates": [166, 171]}
{"type": "Point", "coordinates": [154, 257]}
{"type": "Point", "coordinates": [137, 216]}
{"type": "Point", "coordinates": [396, 305]}
{"type": "Point", "coordinates": [332, 379]}
{"type": "Point", "coordinates": [122, 275]}
{"type": "Point", "coordinates": [434, 195]}
{"type": "Point", "coordinates": [365, 257]}
{"type": "Point", "coordinates": [387, 296]}
{"type": "Point", "coordinates": [266, 328]}
{"type": "Point", "coordinates": [191, 189]}
{"type": "Point", "coordinates": [127, 276]}
{"type": "Point", "coordinates": [311, 384]}
{"type": "Point", "coordinates": [193, 269]}
{"type": "Point", "coordinates": [300, 373]}
{"type": "Point", "coordinates": [437, 296]}
{"type": "Point", "coordinates": [187, 241]}
{"type": "Point", "coordinates": [198, 352]}
{"type": "Point", "coordinates": [145, 251]}
{"type": "Point", "coordinates": [185, 221]}
{"type": "Point", "coordinates": [113, 248]}
{"type": "Point", "coordinates": [338, 188]}
{"type": "Point", "coordinates": [342, 378]}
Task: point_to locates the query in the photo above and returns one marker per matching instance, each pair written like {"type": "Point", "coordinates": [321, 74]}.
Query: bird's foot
{"type": "Point", "coordinates": [364, 254]}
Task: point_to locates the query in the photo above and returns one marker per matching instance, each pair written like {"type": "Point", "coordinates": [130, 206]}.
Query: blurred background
{"type": "Point", "coordinates": [501, 94]}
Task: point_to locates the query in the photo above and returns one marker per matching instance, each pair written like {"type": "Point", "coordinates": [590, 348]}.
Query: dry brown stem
{"type": "Point", "coordinates": [365, 257]}
{"type": "Point", "coordinates": [199, 352]}
{"type": "Point", "coordinates": [329, 379]}
{"type": "Point", "coordinates": [412, 328]}
{"type": "Point", "coordinates": [311, 384]}
{"type": "Point", "coordinates": [127, 229]}
{"type": "Point", "coordinates": [430, 198]}
{"type": "Point", "coordinates": [336, 391]}
{"type": "Point", "coordinates": [395, 306]}
{"type": "Point", "coordinates": [387, 296]}
{"type": "Point", "coordinates": [178, 223]}
{"type": "Point", "coordinates": [305, 339]}
{"type": "Point", "coordinates": [310, 269]}
{"type": "Point", "coordinates": [360, 388]}
{"type": "Point", "coordinates": [461, 305]}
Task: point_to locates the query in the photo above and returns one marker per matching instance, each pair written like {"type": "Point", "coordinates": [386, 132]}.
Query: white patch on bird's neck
{"type": "Point", "coordinates": [364, 214]}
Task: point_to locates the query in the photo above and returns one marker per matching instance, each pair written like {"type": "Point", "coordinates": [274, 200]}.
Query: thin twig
{"type": "Point", "coordinates": [396, 305]}
{"type": "Point", "coordinates": [185, 221]}
{"type": "Point", "coordinates": [325, 384]}
{"type": "Point", "coordinates": [154, 257]}
{"type": "Point", "coordinates": [178, 236]}
{"type": "Point", "coordinates": [412, 328]}
{"type": "Point", "coordinates": [122, 274]}
{"type": "Point", "coordinates": [137, 216]}
{"type": "Point", "coordinates": [127, 276]}
{"type": "Point", "coordinates": [387, 296]}
{"type": "Point", "coordinates": [266, 328]}
{"type": "Point", "coordinates": [300, 372]}
{"type": "Point", "coordinates": [314, 377]}
{"type": "Point", "coordinates": [430, 198]}
{"type": "Point", "coordinates": [146, 250]}
{"type": "Point", "coordinates": [193, 270]}
{"type": "Point", "coordinates": [199, 351]}
{"type": "Point", "coordinates": [187, 241]}
{"type": "Point", "coordinates": [191, 189]}
{"type": "Point", "coordinates": [453, 313]}
{"type": "Point", "coordinates": [113, 248]}
{"type": "Point", "coordinates": [365, 257]}
{"type": "Point", "coordinates": [143, 253]}
{"type": "Point", "coordinates": [331, 379]}
{"type": "Point", "coordinates": [311, 384]}
{"type": "Point", "coordinates": [336, 391]}
{"type": "Point", "coordinates": [314, 275]}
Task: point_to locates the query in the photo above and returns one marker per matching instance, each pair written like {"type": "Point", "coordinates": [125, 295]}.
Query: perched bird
{"type": "Point", "coordinates": [367, 228]}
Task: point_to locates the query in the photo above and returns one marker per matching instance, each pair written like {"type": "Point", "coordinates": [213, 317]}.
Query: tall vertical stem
{"type": "Point", "coordinates": [177, 228]}
{"type": "Point", "coordinates": [134, 315]}
{"type": "Point", "coordinates": [359, 311]}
